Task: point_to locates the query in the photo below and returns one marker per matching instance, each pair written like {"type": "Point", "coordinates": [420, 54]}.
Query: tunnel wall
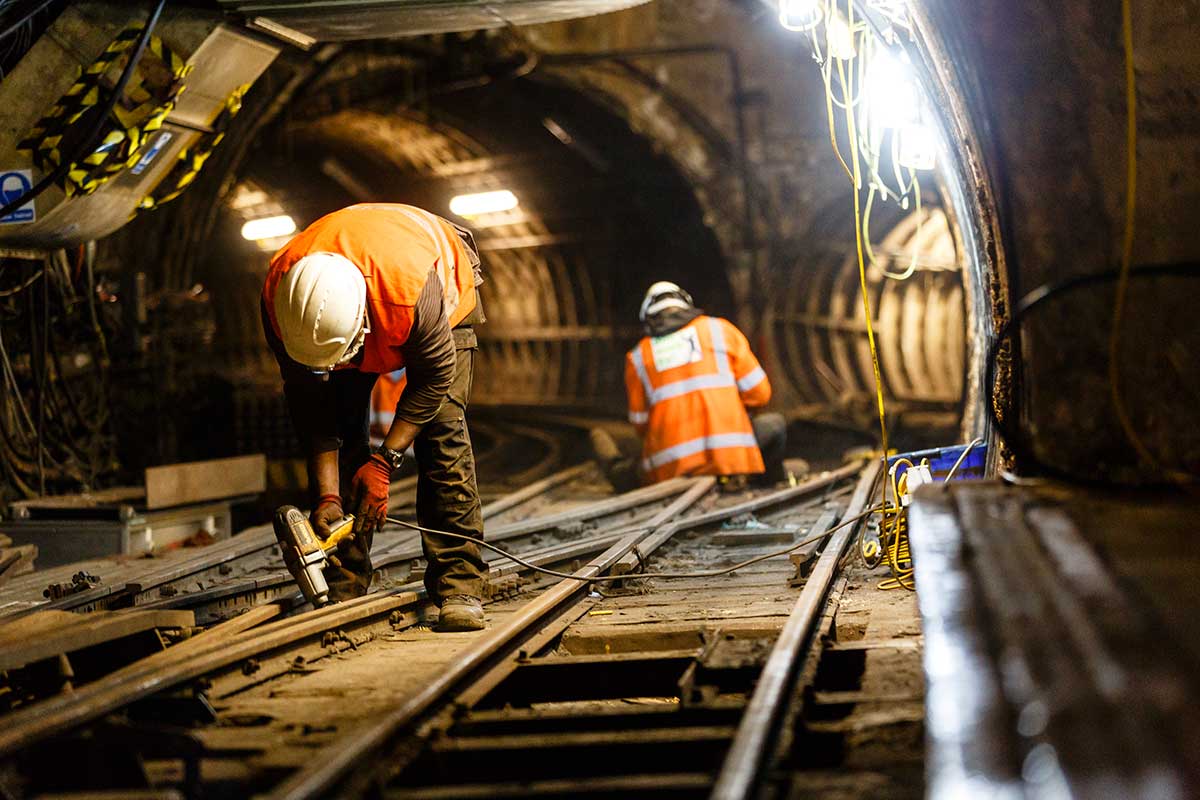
{"type": "Point", "coordinates": [1044, 87]}
{"type": "Point", "coordinates": [763, 127]}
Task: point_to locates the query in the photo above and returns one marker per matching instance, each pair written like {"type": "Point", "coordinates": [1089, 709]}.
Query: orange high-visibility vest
{"type": "Point", "coordinates": [395, 246]}
{"type": "Point", "coordinates": [688, 395]}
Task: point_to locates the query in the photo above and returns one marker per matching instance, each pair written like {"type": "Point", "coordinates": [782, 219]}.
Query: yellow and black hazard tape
{"type": "Point", "coordinates": [122, 145]}
{"type": "Point", "coordinates": [191, 159]}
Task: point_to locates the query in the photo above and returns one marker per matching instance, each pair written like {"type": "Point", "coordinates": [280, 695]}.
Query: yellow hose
{"type": "Point", "coordinates": [862, 277]}
{"type": "Point", "coordinates": [1114, 339]}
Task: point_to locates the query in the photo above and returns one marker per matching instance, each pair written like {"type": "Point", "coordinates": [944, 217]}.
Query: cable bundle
{"type": "Point", "coordinates": [54, 407]}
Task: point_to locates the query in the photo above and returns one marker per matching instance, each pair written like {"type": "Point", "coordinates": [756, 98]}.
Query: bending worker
{"type": "Point", "coordinates": [689, 382]}
{"type": "Point", "coordinates": [360, 292]}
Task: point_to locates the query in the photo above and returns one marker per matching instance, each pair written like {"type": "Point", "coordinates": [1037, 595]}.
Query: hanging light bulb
{"type": "Point", "coordinates": [892, 96]}
{"type": "Point", "coordinates": [839, 38]}
{"type": "Point", "coordinates": [918, 146]}
{"type": "Point", "coordinates": [800, 15]}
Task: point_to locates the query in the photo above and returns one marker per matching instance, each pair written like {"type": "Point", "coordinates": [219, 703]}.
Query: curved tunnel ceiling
{"type": "Point", "coordinates": [601, 216]}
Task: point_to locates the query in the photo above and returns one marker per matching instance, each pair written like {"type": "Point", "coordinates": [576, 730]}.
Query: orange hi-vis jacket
{"type": "Point", "coordinates": [688, 395]}
{"type": "Point", "coordinates": [395, 246]}
{"type": "Point", "coordinates": [384, 398]}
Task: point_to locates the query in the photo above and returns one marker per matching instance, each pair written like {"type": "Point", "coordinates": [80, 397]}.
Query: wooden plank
{"type": "Point", "coordinates": [194, 482]}
{"type": "Point", "coordinates": [524, 743]}
{"type": "Point", "coordinates": [738, 537]}
{"type": "Point", "coordinates": [685, 784]}
{"type": "Point", "coordinates": [910, 643]}
{"type": "Point", "coordinates": [589, 638]}
{"type": "Point", "coordinates": [63, 632]}
{"type": "Point", "coordinates": [15, 561]}
{"type": "Point", "coordinates": [100, 498]}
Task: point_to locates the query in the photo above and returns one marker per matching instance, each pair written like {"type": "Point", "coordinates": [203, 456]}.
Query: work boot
{"type": "Point", "coordinates": [460, 612]}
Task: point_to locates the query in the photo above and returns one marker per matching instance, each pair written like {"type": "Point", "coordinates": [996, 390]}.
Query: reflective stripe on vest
{"type": "Point", "coordinates": [723, 376]}
{"type": "Point", "coordinates": [751, 379]}
{"type": "Point", "coordinates": [718, 441]}
{"type": "Point", "coordinates": [639, 417]}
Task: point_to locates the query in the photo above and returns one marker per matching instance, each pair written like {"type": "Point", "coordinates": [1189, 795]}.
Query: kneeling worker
{"type": "Point", "coordinates": [689, 382]}
{"type": "Point", "coordinates": [364, 291]}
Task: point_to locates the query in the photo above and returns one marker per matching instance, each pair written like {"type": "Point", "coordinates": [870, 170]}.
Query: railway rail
{"type": "Point", "coordinates": [272, 702]}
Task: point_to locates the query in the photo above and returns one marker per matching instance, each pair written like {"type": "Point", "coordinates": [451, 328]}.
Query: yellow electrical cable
{"type": "Point", "coordinates": [1114, 339]}
{"type": "Point", "coordinates": [827, 72]}
{"type": "Point", "coordinates": [862, 270]}
{"type": "Point", "coordinates": [912, 262]}
{"type": "Point", "coordinates": [896, 533]}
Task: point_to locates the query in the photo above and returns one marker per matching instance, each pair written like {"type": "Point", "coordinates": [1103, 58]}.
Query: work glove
{"type": "Point", "coordinates": [327, 512]}
{"type": "Point", "coordinates": [369, 493]}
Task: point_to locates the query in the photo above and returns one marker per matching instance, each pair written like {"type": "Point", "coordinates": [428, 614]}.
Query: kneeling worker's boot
{"type": "Point", "coordinates": [461, 612]}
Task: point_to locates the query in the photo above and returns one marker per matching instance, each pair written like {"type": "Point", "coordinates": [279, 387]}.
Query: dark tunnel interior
{"type": "Point", "coordinates": [605, 208]}
{"type": "Point", "coordinates": [891, 496]}
{"type": "Point", "coordinates": [698, 154]}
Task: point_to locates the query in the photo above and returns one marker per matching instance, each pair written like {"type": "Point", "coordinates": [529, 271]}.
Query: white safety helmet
{"type": "Point", "coordinates": [661, 296]}
{"type": "Point", "coordinates": [321, 306]}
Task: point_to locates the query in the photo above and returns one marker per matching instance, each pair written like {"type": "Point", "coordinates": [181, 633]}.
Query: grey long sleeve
{"type": "Point", "coordinates": [428, 356]}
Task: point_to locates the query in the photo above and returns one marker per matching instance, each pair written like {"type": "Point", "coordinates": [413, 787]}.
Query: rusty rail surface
{"type": "Point", "coordinates": [209, 653]}
{"type": "Point", "coordinates": [341, 769]}
{"type": "Point", "coordinates": [740, 771]}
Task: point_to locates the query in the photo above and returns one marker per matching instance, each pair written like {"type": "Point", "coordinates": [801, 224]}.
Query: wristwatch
{"type": "Point", "coordinates": [393, 457]}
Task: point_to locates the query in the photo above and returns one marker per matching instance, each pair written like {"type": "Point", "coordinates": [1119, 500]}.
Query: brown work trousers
{"type": "Point", "coordinates": [447, 493]}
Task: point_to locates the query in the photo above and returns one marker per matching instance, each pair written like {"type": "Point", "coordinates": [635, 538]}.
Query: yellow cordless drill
{"type": "Point", "coordinates": [305, 554]}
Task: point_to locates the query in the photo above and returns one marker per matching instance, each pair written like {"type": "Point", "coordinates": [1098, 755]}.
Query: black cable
{"type": "Point", "coordinates": [11, 29]}
{"type": "Point", "coordinates": [92, 140]}
{"type": "Point", "coordinates": [642, 574]}
{"type": "Point", "coordinates": [42, 375]}
{"type": "Point", "coordinates": [1027, 304]}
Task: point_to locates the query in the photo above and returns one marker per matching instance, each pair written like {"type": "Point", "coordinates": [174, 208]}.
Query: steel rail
{"type": "Point", "coordinates": [324, 775]}
{"type": "Point", "coordinates": [260, 538]}
{"type": "Point", "coordinates": [746, 756]}
{"type": "Point", "coordinates": [208, 654]}
{"type": "Point", "coordinates": [665, 532]}
{"type": "Point", "coordinates": [328, 775]}
{"type": "Point", "coordinates": [514, 499]}
{"type": "Point", "coordinates": [409, 548]}
{"type": "Point", "coordinates": [383, 557]}
{"type": "Point", "coordinates": [225, 645]}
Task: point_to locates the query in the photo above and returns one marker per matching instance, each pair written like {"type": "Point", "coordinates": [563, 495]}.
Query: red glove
{"type": "Point", "coordinates": [370, 492]}
{"type": "Point", "coordinates": [327, 512]}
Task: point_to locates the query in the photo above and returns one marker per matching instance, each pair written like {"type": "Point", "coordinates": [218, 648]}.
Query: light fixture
{"type": "Point", "coordinates": [918, 147]}
{"type": "Point", "coordinates": [268, 228]}
{"type": "Point", "coordinates": [799, 15]}
{"type": "Point", "coordinates": [474, 205]}
{"type": "Point", "coordinates": [892, 97]}
{"type": "Point", "coordinates": [839, 38]}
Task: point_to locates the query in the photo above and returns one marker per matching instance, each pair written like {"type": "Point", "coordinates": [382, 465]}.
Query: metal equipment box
{"type": "Point", "coordinates": [67, 535]}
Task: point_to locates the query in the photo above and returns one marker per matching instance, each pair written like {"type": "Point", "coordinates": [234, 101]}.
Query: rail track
{"type": "Point", "coordinates": [579, 685]}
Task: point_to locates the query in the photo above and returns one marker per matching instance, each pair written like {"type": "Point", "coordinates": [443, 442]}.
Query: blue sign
{"type": "Point", "coordinates": [145, 160]}
{"type": "Point", "coordinates": [14, 185]}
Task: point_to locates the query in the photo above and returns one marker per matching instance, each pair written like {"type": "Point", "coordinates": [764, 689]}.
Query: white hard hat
{"type": "Point", "coordinates": [320, 305]}
{"type": "Point", "coordinates": [661, 296]}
